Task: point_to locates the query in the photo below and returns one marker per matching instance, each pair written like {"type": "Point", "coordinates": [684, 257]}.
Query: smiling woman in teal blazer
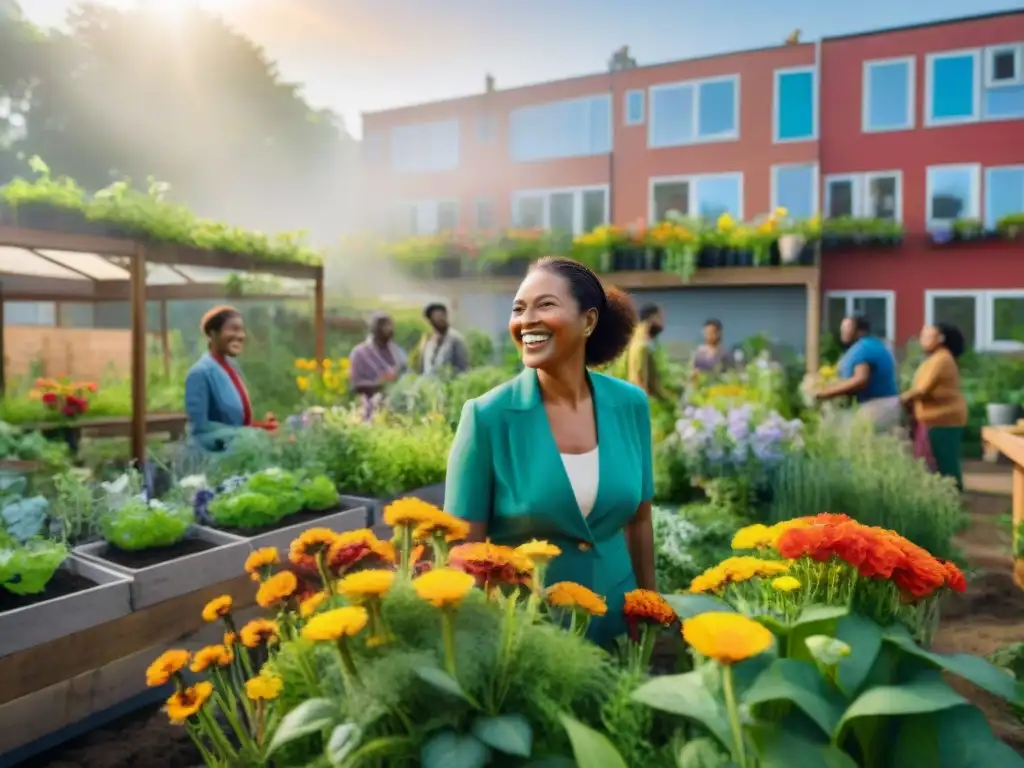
{"type": "Point", "coordinates": [561, 453]}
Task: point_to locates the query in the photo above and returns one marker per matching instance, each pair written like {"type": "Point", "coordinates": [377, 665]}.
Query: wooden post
{"type": "Point", "coordinates": [318, 321]}
{"type": "Point", "coordinates": [1007, 441]}
{"type": "Point", "coordinates": [137, 268]}
{"type": "Point", "coordinates": [813, 343]}
{"type": "Point", "coordinates": [165, 342]}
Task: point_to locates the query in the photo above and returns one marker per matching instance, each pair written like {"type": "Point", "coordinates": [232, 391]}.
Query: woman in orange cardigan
{"type": "Point", "coordinates": [940, 411]}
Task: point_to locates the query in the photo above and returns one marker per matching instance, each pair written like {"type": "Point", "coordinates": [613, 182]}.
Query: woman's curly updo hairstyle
{"type": "Point", "coordinates": [216, 319]}
{"type": "Point", "coordinates": [616, 316]}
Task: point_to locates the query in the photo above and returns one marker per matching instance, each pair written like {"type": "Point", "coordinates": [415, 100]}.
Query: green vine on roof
{"type": "Point", "coordinates": [121, 210]}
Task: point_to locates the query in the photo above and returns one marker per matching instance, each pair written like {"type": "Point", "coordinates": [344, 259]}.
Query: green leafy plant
{"type": "Point", "coordinates": [319, 494]}
{"type": "Point", "coordinates": [27, 569]}
{"type": "Point", "coordinates": [689, 541]}
{"type": "Point", "coordinates": [138, 524]}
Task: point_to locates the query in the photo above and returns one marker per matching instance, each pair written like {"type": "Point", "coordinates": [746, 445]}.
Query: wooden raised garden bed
{"type": "Point", "coordinates": [203, 558]}
{"type": "Point", "coordinates": [81, 594]}
{"type": "Point", "coordinates": [352, 515]}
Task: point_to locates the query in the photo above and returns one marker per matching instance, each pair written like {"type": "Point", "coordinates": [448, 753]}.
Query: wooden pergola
{"type": "Point", "coordinates": [44, 266]}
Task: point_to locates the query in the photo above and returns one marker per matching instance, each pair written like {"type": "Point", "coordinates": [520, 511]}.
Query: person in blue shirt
{"type": "Point", "coordinates": [867, 371]}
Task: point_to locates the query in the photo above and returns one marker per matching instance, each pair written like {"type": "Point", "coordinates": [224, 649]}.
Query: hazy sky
{"type": "Point", "coordinates": [365, 55]}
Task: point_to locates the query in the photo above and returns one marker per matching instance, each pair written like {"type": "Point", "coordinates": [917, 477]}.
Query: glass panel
{"type": "Point", "coordinates": [78, 315]}
{"type": "Point", "coordinates": [1005, 101]}
{"type": "Point", "coordinates": [484, 214]}
{"type": "Point", "coordinates": [717, 108]}
{"type": "Point", "coordinates": [1004, 65]}
{"type": "Point", "coordinates": [1008, 319]}
{"type": "Point", "coordinates": [29, 313]}
{"type": "Point", "coordinates": [874, 309]}
{"type": "Point", "coordinates": [530, 212]}
{"type": "Point", "coordinates": [840, 198]}
{"type": "Point", "coordinates": [593, 209]}
{"type": "Point", "coordinates": [485, 127]}
{"type": "Point", "coordinates": [634, 107]}
{"type": "Point", "coordinates": [951, 194]}
{"type": "Point", "coordinates": [889, 95]}
{"type": "Point", "coordinates": [953, 87]}
{"type": "Point", "coordinates": [794, 190]}
{"type": "Point", "coordinates": [671, 116]}
{"type": "Point", "coordinates": [671, 196]}
{"type": "Point", "coordinates": [794, 106]}
{"type": "Point", "coordinates": [572, 128]}
{"type": "Point", "coordinates": [447, 216]}
{"type": "Point", "coordinates": [600, 128]}
{"type": "Point", "coordinates": [717, 195]}
{"type": "Point", "coordinates": [835, 311]}
{"type": "Point", "coordinates": [561, 212]}
{"type": "Point", "coordinates": [1004, 193]}
{"type": "Point", "coordinates": [882, 192]}
{"type": "Point", "coordinates": [959, 311]}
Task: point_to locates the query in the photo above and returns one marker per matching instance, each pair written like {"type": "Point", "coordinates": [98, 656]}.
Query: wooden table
{"type": "Point", "coordinates": [1009, 441]}
{"type": "Point", "coordinates": [172, 424]}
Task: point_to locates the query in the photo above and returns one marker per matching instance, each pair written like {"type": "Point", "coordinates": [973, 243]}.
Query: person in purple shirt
{"type": "Point", "coordinates": [378, 360]}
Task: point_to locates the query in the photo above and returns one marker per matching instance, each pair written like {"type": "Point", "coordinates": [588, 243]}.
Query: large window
{"type": "Point", "coordinates": [952, 193]}
{"type": "Point", "coordinates": [571, 211]}
{"type": "Point", "coordinates": [425, 217]}
{"type": "Point", "coordinates": [694, 112]}
{"type": "Point", "coordinates": [707, 197]}
{"type": "Point", "coordinates": [795, 111]}
{"type": "Point", "coordinates": [888, 94]}
{"type": "Point", "coordinates": [879, 307]}
{"type": "Point", "coordinates": [572, 128]}
{"type": "Point", "coordinates": [874, 195]}
{"type": "Point", "coordinates": [634, 107]}
{"type": "Point", "coordinates": [795, 188]}
{"type": "Point", "coordinates": [991, 321]}
{"type": "Point", "coordinates": [425, 147]}
{"type": "Point", "coordinates": [1004, 192]}
{"type": "Point", "coordinates": [975, 84]}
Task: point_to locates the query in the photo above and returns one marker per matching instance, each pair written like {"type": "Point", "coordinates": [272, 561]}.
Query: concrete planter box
{"type": "Point", "coordinates": [173, 578]}
{"type": "Point", "coordinates": [48, 620]}
{"type": "Point", "coordinates": [350, 519]}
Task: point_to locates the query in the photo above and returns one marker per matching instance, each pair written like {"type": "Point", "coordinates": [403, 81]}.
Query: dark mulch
{"type": "Point", "coordinates": [63, 583]}
{"type": "Point", "coordinates": [312, 518]}
{"type": "Point", "coordinates": [144, 558]}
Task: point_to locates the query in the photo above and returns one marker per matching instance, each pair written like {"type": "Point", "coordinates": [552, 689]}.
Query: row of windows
{"type": "Point", "coordinates": [991, 321]}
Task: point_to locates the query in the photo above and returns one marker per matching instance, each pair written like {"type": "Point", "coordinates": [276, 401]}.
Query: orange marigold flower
{"type": "Point", "coordinates": [229, 639]}
{"type": "Point", "coordinates": [351, 547]}
{"type": "Point", "coordinates": [217, 608]}
{"type": "Point", "coordinates": [309, 544]}
{"type": "Point", "coordinates": [727, 638]}
{"type": "Point", "coordinates": [410, 512]}
{"type": "Point", "coordinates": [186, 703]}
{"type": "Point", "coordinates": [643, 605]}
{"type": "Point", "coordinates": [276, 589]}
{"type": "Point", "coordinates": [443, 524]}
{"type": "Point", "coordinates": [954, 577]}
{"type": "Point", "coordinates": [490, 563]}
{"type": "Point", "coordinates": [260, 560]}
{"type": "Point", "coordinates": [166, 666]}
{"type": "Point", "coordinates": [211, 656]}
{"type": "Point", "coordinates": [259, 632]}
{"type": "Point", "coordinates": [572, 596]}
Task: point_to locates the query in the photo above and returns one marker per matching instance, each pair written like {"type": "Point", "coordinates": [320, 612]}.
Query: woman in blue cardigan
{"type": "Point", "coordinates": [216, 401]}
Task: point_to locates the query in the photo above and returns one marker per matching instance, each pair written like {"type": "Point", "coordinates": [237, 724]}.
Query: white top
{"type": "Point", "coordinates": [582, 469]}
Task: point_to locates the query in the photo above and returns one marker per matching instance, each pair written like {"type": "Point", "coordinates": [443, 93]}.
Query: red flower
{"type": "Point", "coordinates": [954, 577]}
{"type": "Point", "coordinates": [50, 398]}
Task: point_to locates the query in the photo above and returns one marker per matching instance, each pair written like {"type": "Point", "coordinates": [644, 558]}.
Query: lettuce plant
{"type": "Point", "coordinates": [27, 569]}
{"type": "Point", "coordinates": [319, 494]}
{"type": "Point", "coordinates": [268, 497]}
{"type": "Point", "coordinates": [244, 509]}
{"type": "Point", "coordinates": [138, 524]}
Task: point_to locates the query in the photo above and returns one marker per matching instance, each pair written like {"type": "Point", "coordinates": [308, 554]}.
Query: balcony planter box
{"type": "Point", "coordinates": [515, 266]}
{"type": "Point", "coordinates": [629, 258]}
{"type": "Point", "coordinates": [448, 267]}
{"type": "Point", "coordinates": [82, 594]}
{"type": "Point", "coordinates": [349, 516]}
{"type": "Point", "coordinates": [202, 559]}
{"type": "Point", "coordinates": [52, 219]}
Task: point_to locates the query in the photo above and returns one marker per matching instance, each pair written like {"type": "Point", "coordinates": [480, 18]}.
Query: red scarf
{"type": "Point", "coordinates": [239, 387]}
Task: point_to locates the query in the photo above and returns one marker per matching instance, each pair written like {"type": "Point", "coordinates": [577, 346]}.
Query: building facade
{"type": "Point", "coordinates": [922, 125]}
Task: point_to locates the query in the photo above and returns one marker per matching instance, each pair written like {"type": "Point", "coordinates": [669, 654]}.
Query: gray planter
{"type": "Point", "coordinates": [1001, 414]}
{"type": "Point", "coordinates": [36, 624]}
{"type": "Point", "coordinates": [173, 578]}
{"type": "Point", "coordinates": [344, 520]}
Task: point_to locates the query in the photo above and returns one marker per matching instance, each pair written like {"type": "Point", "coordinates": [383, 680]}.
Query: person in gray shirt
{"type": "Point", "coordinates": [444, 347]}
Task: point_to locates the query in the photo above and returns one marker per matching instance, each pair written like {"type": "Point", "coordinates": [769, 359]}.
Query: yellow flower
{"type": "Point", "coordinates": [166, 666]}
{"type": "Point", "coordinates": [331, 380]}
{"type": "Point", "coordinates": [451, 527]}
{"type": "Point", "coordinates": [265, 557]}
{"type": "Point", "coordinates": [308, 606]}
{"type": "Point", "coordinates": [211, 656]}
{"type": "Point", "coordinates": [780, 213]}
{"type": "Point", "coordinates": [302, 382]}
{"type": "Point", "coordinates": [569, 595]}
{"type": "Point", "coordinates": [410, 512]}
{"type": "Point", "coordinates": [259, 632]}
{"type": "Point", "coordinates": [785, 584]}
{"type": "Point", "coordinates": [263, 687]}
{"type": "Point", "coordinates": [734, 570]}
{"type": "Point", "coordinates": [276, 589]}
{"type": "Point", "coordinates": [337, 623]}
{"type": "Point", "coordinates": [538, 552]}
{"type": "Point", "coordinates": [444, 587]}
{"type": "Point", "coordinates": [752, 537]}
{"type": "Point", "coordinates": [726, 223]}
{"type": "Point", "coordinates": [311, 543]}
{"type": "Point", "coordinates": [727, 638]}
{"type": "Point", "coordinates": [361, 585]}
{"type": "Point", "coordinates": [217, 608]}
{"type": "Point", "coordinates": [182, 705]}
{"type": "Point", "coordinates": [229, 639]}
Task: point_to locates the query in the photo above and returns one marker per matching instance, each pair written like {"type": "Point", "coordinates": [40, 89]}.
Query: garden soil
{"type": "Point", "coordinates": [989, 616]}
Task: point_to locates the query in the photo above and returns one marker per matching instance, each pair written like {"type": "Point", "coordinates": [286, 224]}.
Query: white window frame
{"type": "Point", "coordinates": [694, 181]}
{"type": "Point", "coordinates": [577, 204]}
{"type": "Point", "coordinates": [434, 203]}
{"type": "Point", "coordinates": [605, 97]}
{"type": "Point", "coordinates": [984, 306]}
{"type": "Point", "coordinates": [908, 122]}
{"type": "Point", "coordinates": [732, 135]}
{"type": "Point", "coordinates": [974, 207]}
{"type": "Point", "coordinates": [849, 296]}
{"type": "Point", "coordinates": [988, 172]}
{"type": "Point", "coordinates": [990, 54]}
{"type": "Point", "coordinates": [929, 87]}
{"type": "Point", "coordinates": [815, 184]}
{"type": "Point", "coordinates": [861, 186]}
{"type": "Point", "coordinates": [815, 100]}
{"type": "Point", "coordinates": [643, 106]}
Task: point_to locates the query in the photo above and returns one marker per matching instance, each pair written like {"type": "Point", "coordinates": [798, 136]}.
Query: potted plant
{"type": "Point", "coordinates": [1011, 226]}
{"type": "Point", "coordinates": [999, 389]}
{"type": "Point", "coordinates": [511, 254]}
{"type": "Point", "coordinates": [678, 244]}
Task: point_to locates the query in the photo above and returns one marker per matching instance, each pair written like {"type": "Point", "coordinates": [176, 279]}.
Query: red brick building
{"type": "Point", "coordinates": [922, 124]}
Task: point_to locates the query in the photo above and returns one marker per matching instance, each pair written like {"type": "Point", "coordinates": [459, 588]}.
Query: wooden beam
{"type": "Point", "coordinates": [34, 239]}
{"type": "Point", "coordinates": [319, 334]}
{"type": "Point", "coordinates": [138, 383]}
{"type": "Point", "coordinates": [165, 342]}
{"type": "Point", "coordinates": [185, 256]}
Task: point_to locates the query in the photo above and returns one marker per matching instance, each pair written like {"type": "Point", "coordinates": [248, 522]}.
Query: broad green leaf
{"type": "Point", "coordinates": [813, 620]}
{"type": "Point", "coordinates": [510, 734]}
{"type": "Point", "coordinates": [778, 748]}
{"type": "Point", "coordinates": [688, 696]}
{"type": "Point", "coordinates": [590, 748]}
{"type": "Point", "coordinates": [865, 639]}
{"type": "Point", "coordinates": [974, 669]}
{"type": "Point", "coordinates": [343, 740]}
{"type": "Point", "coordinates": [702, 753]}
{"type": "Point", "coordinates": [385, 746]}
{"type": "Point", "coordinates": [311, 716]}
{"type": "Point", "coordinates": [827, 651]}
{"type": "Point", "coordinates": [448, 749]}
{"type": "Point", "coordinates": [929, 694]}
{"type": "Point", "coordinates": [800, 684]}
{"type": "Point", "coordinates": [442, 681]}
{"type": "Point", "coordinates": [687, 606]}
{"type": "Point", "coordinates": [551, 761]}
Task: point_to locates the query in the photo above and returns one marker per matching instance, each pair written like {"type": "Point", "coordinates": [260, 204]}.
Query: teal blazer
{"type": "Point", "coordinates": [505, 470]}
{"type": "Point", "coordinates": [212, 404]}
